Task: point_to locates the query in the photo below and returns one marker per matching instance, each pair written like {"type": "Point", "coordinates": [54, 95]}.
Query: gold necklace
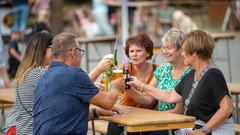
{"type": "Point", "coordinates": [176, 74]}
{"type": "Point", "coordinates": [146, 74]}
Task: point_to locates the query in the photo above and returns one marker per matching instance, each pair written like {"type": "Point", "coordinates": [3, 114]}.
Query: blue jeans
{"type": "Point", "coordinates": [21, 13]}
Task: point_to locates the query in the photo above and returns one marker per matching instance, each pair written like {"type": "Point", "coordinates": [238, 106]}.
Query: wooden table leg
{"type": "Point", "coordinates": [93, 127]}
{"type": "Point", "coordinates": [3, 119]}
{"type": "Point", "coordinates": [236, 109]}
{"type": "Point", "coordinates": [125, 130]}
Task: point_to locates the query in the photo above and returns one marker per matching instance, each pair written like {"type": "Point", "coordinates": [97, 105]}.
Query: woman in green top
{"type": "Point", "coordinates": [169, 74]}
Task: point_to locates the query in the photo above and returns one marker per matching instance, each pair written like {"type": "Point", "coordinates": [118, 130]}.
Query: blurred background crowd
{"type": "Point", "coordinates": [21, 18]}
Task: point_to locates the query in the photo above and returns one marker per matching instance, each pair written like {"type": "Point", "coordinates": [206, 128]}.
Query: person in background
{"type": "Point", "coordinates": [140, 21]}
{"type": "Point", "coordinates": [164, 18]}
{"type": "Point", "coordinates": [113, 15]}
{"type": "Point", "coordinates": [64, 92]}
{"type": "Point", "coordinates": [14, 58]}
{"type": "Point", "coordinates": [183, 22]}
{"type": "Point", "coordinates": [89, 27]}
{"type": "Point", "coordinates": [42, 8]}
{"type": "Point", "coordinates": [37, 27]}
{"type": "Point", "coordinates": [3, 70]}
{"type": "Point", "coordinates": [203, 91]}
{"type": "Point", "coordinates": [20, 12]}
{"type": "Point", "coordinates": [100, 14]}
{"type": "Point", "coordinates": [139, 49]}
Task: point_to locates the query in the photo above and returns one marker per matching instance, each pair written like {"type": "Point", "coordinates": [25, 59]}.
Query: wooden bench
{"type": "Point", "coordinates": [234, 89]}
{"type": "Point", "coordinates": [237, 128]}
{"type": "Point", "coordinates": [100, 126]}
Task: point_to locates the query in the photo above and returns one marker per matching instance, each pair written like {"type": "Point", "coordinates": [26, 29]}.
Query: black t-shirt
{"type": "Point", "coordinates": [207, 96]}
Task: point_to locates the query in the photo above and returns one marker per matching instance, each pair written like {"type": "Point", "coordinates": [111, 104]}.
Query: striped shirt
{"type": "Point", "coordinates": [23, 119]}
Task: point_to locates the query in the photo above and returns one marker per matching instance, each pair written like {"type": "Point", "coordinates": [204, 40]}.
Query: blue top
{"type": "Point", "coordinates": [20, 2]}
{"type": "Point", "coordinates": [13, 44]}
{"type": "Point", "coordinates": [99, 6]}
{"type": "Point", "coordinates": [61, 101]}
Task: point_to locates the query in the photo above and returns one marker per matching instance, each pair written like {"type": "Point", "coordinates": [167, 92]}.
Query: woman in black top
{"type": "Point", "coordinates": [203, 91]}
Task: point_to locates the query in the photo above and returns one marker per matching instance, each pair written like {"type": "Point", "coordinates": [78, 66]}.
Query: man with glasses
{"type": "Point", "coordinates": [64, 92]}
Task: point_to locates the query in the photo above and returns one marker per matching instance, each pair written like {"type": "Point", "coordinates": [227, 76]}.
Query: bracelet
{"type": "Point", "coordinates": [142, 87]}
{"type": "Point", "coordinates": [204, 130]}
{"type": "Point", "coordinates": [94, 111]}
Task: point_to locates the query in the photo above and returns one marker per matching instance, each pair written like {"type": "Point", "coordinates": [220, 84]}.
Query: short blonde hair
{"type": "Point", "coordinates": [174, 36]}
{"type": "Point", "coordinates": [199, 42]}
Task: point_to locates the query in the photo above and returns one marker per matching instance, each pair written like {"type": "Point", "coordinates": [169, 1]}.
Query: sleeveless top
{"type": "Point", "coordinates": [126, 99]}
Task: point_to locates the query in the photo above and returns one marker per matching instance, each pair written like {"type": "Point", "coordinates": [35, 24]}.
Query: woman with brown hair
{"type": "Point", "coordinates": [139, 49]}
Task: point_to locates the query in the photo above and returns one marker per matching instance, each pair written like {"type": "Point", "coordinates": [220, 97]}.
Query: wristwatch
{"type": "Point", "coordinates": [204, 130]}
{"type": "Point", "coordinates": [94, 111]}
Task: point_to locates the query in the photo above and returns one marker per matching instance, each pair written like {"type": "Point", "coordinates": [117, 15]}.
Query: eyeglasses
{"type": "Point", "coordinates": [80, 50]}
{"type": "Point", "coordinates": [166, 49]}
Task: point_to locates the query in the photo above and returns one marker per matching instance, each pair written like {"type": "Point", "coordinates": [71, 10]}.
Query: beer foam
{"type": "Point", "coordinates": [118, 71]}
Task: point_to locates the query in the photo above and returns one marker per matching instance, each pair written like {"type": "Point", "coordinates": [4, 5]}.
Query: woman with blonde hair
{"type": "Point", "coordinates": [33, 65]}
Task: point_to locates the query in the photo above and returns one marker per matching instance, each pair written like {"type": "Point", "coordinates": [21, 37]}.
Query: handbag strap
{"type": "Point", "coordinates": [22, 103]}
{"type": "Point", "coordinates": [194, 87]}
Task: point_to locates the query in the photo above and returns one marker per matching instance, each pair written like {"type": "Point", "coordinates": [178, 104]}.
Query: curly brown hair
{"type": "Point", "coordinates": [142, 40]}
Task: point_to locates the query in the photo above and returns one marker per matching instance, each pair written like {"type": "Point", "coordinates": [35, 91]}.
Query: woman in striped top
{"type": "Point", "coordinates": [33, 65]}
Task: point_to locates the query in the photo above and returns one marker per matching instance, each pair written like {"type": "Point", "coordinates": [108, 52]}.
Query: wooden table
{"type": "Point", "coordinates": [234, 89]}
{"type": "Point", "coordinates": [94, 41]}
{"type": "Point", "coordinates": [140, 120]}
{"type": "Point", "coordinates": [7, 96]}
{"type": "Point", "coordinates": [226, 36]}
{"type": "Point", "coordinates": [7, 99]}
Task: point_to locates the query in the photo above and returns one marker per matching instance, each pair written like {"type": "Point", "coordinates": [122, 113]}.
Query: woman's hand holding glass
{"type": "Point", "coordinates": [118, 83]}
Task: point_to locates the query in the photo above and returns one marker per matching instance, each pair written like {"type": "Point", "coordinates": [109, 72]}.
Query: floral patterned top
{"type": "Point", "coordinates": [166, 82]}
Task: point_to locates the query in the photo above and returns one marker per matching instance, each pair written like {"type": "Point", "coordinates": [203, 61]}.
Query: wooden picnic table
{"type": "Point", "coordinates": [7, 99]}
{"type": "Point", "coordinates": [95, 41]}
{"type": "Point", "coordinates": [7, 96]}
{"type": "Point", "coordinates": [234, 89]}
{"type": "Point", "coordinates": [140, 120]}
